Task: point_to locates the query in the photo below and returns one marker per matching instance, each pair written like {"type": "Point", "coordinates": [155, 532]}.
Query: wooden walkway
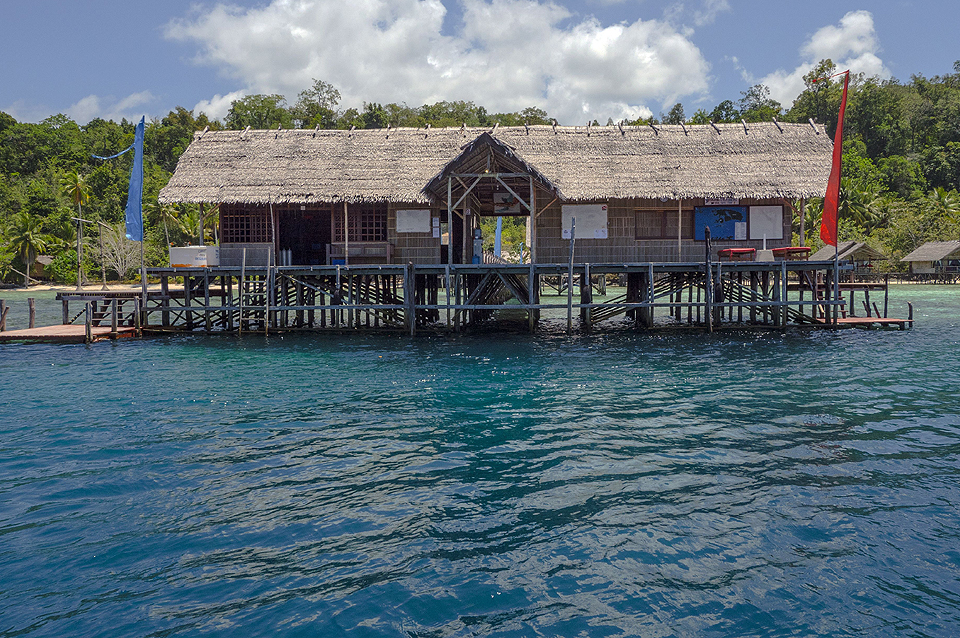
{"type": "Point", "coordinates": [874, 322]}
{"type": "Point", "coordinates": [69, 333]}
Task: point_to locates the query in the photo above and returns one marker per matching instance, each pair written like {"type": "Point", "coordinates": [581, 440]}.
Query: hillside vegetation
{"type": "Point", "coordinates": [900, 180]}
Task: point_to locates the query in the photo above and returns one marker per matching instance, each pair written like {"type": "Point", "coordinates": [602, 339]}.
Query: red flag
{"type": "Point", "coordinates": [828, 222]}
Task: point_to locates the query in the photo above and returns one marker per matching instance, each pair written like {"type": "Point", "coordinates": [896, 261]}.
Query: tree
{"type": "Point", "coordinates": [120, 254]}
{"type": "Point", "coordinates": [317, 106]}
{"type": "Point", "coordinates": [675, 116]}
{"type": "Point", "coordinates": [700, 117]}
{"type": "Point", "coordinates": [27, 240]}
{"type": "Point", "coordinates": [74, 186]}
{"type": "Point", "coordinates": [259, 112]}
{"type": "Point", "coordinates": [756, 105]}
{"type": "Point", "coordinates": [946, 202]}
{"type": "Point", "coordinates": [374, 116]}
{"type": "Point", "coordinates": [725, 112]}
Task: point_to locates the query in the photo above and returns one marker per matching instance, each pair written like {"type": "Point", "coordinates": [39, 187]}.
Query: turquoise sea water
{"type": "Point", "coordinates": [615, 484]}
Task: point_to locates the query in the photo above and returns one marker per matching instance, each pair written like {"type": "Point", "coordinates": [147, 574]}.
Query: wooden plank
{"type": "Point", "coordinates": [70, 333]}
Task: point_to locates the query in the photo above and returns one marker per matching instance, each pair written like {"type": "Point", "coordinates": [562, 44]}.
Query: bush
{"type": "Point", "coordinates": [63, 269]}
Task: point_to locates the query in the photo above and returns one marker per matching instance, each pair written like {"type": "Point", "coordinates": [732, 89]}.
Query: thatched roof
{"type": "Point", "coordinates": [847, 250]}
{"type": "Point", "coordinates": [934, 251]}
{"type": "Point", "coordinates": [578, 163]}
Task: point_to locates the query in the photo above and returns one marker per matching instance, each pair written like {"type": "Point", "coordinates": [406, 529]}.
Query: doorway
{"type": "Point", "coordinates": [306, 234]}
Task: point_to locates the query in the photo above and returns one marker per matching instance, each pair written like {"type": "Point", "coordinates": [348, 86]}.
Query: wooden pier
{"type": "Point", "coordinates": [440, 298]}
{"type": "Point", "coordinates": [105, 315]}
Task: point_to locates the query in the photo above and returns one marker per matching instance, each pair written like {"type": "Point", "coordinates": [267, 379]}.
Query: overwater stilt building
{"type": "Point", "coordinates": [342, 229]}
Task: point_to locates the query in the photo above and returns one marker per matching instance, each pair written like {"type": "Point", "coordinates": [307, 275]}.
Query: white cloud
{"type": "Point", "coordinates": [94, 106]}
{"type": "Point", "coordinates": [25, 112]}
{"type": "Point", "coordinates": [852, 44]}
{"type": "Point", "coordinates": [217, 106]}
{"type": "Point", "coordinates": [507, 55]}
{"type": "Point", "coordinates": [709, 11]}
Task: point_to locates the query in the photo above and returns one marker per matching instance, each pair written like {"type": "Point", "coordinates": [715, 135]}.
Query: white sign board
{"type": "Point", "coordinates": [766, 221]}
{"type": "Point", "coordinates": [413, 221]}
{"type": "Point", "coordinates": [739, 231]}
{"type": "Point", "coordinates": [591, 220]}
{"type": "Point", "coordinates": [721, 201]}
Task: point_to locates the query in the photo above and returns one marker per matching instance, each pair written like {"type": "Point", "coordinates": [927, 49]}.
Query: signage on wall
{"type": "Point", "coordinates": [591, 220]}
{"type": "Point", "coordinates": [725, 222]}
{"type": "Point", "coordinates": [766, 222]}
{"type": "Point", "coordinates": [721, 201]}
{"type": "Point", "coordinates": [413, 221]}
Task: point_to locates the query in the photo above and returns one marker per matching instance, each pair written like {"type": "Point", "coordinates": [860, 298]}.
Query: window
{"type": "Point", "coordinates": [659, 223]}
{"type": "Point", "coordinates": [244, 225]}
{"type": "Point", "coordinates": [368, 222]}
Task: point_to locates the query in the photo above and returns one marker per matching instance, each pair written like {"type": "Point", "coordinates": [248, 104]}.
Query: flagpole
{"type": "Point", "coordinates": [830, 219]}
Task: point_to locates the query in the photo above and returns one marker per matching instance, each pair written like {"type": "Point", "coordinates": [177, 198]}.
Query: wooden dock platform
{"type": "Point", "coordinates": [874, 322]}
{"type": "Point", "coordinates": [70, 333]}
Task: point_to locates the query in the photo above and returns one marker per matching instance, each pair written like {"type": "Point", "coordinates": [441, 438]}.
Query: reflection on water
{"type": "Point", "coordinates": [665, 485]}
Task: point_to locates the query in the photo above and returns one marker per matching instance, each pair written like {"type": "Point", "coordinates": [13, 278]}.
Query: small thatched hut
{"type": "Point", "coordinates": [388, 195]}
{"type": "Point", "coordinates": [859, 253]}
{"type": "Point", "coordinates": [935, 258]}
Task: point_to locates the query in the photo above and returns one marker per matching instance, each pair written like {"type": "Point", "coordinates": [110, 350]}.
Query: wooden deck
{"type": "Point", "coordinates": [874, 322]}
{"type": "Point", "coordinates": [70, 333]}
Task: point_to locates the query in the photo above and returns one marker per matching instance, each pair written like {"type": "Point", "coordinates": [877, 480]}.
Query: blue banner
{"type": "Point", "coordinates": [134, 213]}
{"type": "Point", "coordinates": [113, 156]}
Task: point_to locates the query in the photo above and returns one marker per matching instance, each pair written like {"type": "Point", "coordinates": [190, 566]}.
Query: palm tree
{"type": "Point", "coordinates": [166, 214]}
{"type": "Point", "coordinates": [74, 186]}
{"type": "Point", "coordinates": [28, 240]}
{"type": "Point", "coordinates": [946, 202]}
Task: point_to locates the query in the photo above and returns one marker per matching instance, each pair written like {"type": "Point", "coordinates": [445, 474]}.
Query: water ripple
{"type": "Point", "coordinates": [614, 484]}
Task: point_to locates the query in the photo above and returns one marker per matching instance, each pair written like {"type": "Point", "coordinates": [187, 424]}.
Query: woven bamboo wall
{"type": "Point", "coordinates": [622, 246]}
{"type": "Point", "coordinates": [419, 248]}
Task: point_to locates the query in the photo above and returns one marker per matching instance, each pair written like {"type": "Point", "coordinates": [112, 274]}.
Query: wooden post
{"type": "Point", "coordinates": [3, 315]}
{"type": "Point", "coordinates": [718, 298]}
{"type": "Point", "coordinates": [136, 316]}
{"type": "Point", "coordinates": [708, 267]}
{"type": "Point", "coordinates": [208, 325]}
{"type": "Point", "coordinates": [446, 275]}
{"type": "Point", "coordinates": [886, 294]}
{"type": "Point", "coordinates": [32, 306]}
{"type": "Point", "coordinates": [88, 323]}
{"type": "Point", "coordinates": [784, 294]}
{"type": "Point", "coordinates": [449, 227]}
{"type": "Point", "coordinates": [187, 300]}
{"type": "Point", "coordinates": [533, 292]}
{"type": "Point", "coordinates": [586, 297]}
{"type": "Point", "coordinates": [114, 317]}
{"type": "Point", "coordinates": [267, 292]}
{"type": "Point", "coordinates": [64, 306]}
{"type": "Point", "coordinates": [409, 292]}
{"type": "Point", "coordinates": [573, 238]}
{"type": "Point", "coordinates": [165, 302]}
{"type": "Point", "coordinates": [243, 287]}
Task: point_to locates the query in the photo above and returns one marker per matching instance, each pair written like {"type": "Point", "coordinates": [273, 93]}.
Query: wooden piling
{"type": "Point", "coordinates": [32, 306]}
{"type": "Point", "coordinates": [88, 322]}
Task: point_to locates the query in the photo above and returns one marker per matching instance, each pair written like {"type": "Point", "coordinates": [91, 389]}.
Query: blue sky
{"type": "Point", "coordinates": [579, 60]}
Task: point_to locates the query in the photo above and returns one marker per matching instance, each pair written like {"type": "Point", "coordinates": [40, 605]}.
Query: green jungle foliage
{"type": "Point", "coordinates": [900, 181]}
